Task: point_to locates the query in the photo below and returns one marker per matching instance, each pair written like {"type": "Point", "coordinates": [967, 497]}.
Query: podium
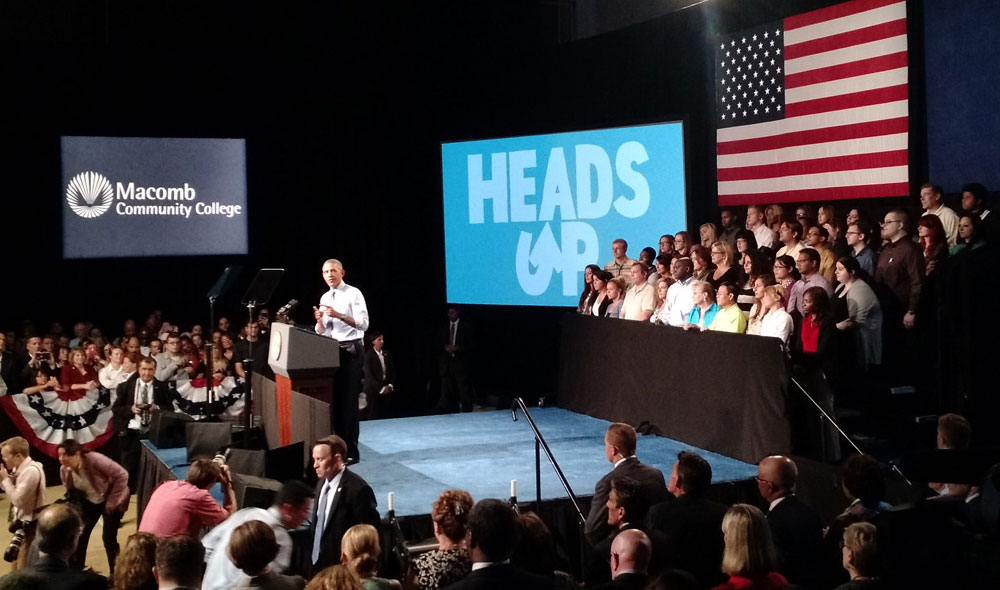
{"type": "Point", "coordinates": [296, 405]}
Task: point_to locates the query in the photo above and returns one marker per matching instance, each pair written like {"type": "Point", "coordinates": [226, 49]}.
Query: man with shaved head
{"type": "Point", "coordinates": [796, 528]}
{"type": "Point", "coordinates": [630, 555]}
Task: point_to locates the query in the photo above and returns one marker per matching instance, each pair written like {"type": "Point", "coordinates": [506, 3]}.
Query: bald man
{"type": "Point", "coordinates": [796, 528]}
{"type": "Point", "coordinates": [630, 555]}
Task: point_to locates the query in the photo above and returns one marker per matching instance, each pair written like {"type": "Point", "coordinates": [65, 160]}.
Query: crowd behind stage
{"type": "Point", "coordinates": [862, 300]}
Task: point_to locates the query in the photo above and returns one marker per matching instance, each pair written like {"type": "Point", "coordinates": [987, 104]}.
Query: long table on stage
{"type": "Point", "coordinates": [717, 391]}
{"type": "Point", "coordinates": [157, 466]}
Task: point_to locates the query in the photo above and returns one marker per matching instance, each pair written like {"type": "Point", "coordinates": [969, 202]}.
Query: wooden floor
{"type": "Point", "coordinates": [96, 558]}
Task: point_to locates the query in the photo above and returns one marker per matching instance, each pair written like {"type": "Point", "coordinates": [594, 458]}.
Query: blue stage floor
{"type": "Point", "coordinates": [418, 458]}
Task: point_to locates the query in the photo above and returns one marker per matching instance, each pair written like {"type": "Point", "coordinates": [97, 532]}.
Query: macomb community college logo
{"type": "Point", "coordinates": [89, 194]}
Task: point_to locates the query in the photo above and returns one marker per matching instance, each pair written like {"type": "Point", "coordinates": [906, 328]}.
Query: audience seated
{"type": "Point", "coordinates": [450, 562]}
{"type": "Point", "coordinates": [860, 557]}
{"type": "Point", "coordinates": [785, 273]}
{"type": "Point", "coordinates": [630, 555]}
{"type": "Point", "coordinates": [705, 307]}
{"type": "Point", "coordinates": [722, 258]}
{"type": "Point", "coordinates": [756, 311]}
{"type": "Point", "coordinates": [730, 317]}
{"type": "Point", "coordinates": [535, 551]}
{"type": "Point", "coordinates": [134, 566]}
{"type": "Point", "coordinates": [599, 300]}
{"type": "Point", "coordinates": [701, 263]}
{"type": "Point", "coordinates": [661, 314]}
{"type": "Point", "coordinates": [616, 295]}
{"type": "Point", "coordinates": [252, 549]}
{"type": "Point", "coordinates": [180, 563]}
{"type": "Point", "coordinates": [640, 299]}
{"type": "Point", "coordinates": [359, 552]}
{"type": "Point", "coordinates": [864, 485]}
{"type": "Point", "coordinates": [492, 536]}
{"type": "Point", "coordinates": [776, 323]}
{"type": "Point", "coordinates": [795, 527]}
{"type": "Point", "coordinates": [586, 296]}
{"type": "Point", "coordinates": [336, 577]}
{"type": "Point", "coordinates": [749, 555]}
{"type": "Point", "coordinates": [59, 528]}
{"type": "Point", "coordinates": [690, 525]}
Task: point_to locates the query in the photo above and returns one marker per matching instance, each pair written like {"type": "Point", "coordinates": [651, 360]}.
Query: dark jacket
{"type": "Point", "coordinates": [502, 577]}
{"type": "Point", "coordinates": [122, 408]}
{"type": "Point", "coordinates": [353, 503]}
{"type": "Point", "coordinates": [691, 531]}
{"type": "Point", "coordinates": [652, 490]}
{"type": "Point", "coordinates": [798, 536]}
{"type": "Point", "coordinates": [60, 576]}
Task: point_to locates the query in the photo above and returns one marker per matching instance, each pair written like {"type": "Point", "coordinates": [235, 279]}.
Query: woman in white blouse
{"type": "Point", "coordinates": [113, 373]}
{"type": "Point", "coordinates": [659, 316]}
{"type": "Point", "coordinates": [864, 314]}
{"type": "Point", "coordinates": [777, 322]}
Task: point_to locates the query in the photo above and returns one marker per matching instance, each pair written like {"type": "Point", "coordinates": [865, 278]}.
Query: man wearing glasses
{"type": "Point", "coordinates": [857, 240]}
{"type": "Point", "coordinates": [900, 274]}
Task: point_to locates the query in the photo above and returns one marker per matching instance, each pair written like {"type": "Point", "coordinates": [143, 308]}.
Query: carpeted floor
{"type": "Point", "coordinates": [418, 458]}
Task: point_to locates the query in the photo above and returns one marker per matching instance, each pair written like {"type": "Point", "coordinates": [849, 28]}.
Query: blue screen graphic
{"type": "Point", "coordinates": [523, 216]}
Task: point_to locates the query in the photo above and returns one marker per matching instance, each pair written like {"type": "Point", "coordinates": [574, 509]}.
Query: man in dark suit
{"type": "Point", "coordinates": [343, 499]}
{"type": "Point", "coordinates": [379, 377]}
{"type": "Point", "coordinates": [623, 502]}
{"type": "Point", "coordinates": [492, 534]}
{"type": "Point", "coordinates": [796, 528]}
{"type": "Point", "coordinates": [691, 525]}
{"type": "Point", "coordinates": [140, 395]}
{"type": "Point", "coordinates": [59, 530]}
{"type": "Point", "coordinates": [630, 555]}
{"type": "Point", "coordinates": [457, 345]}
{"type": "Point", "coordinates": [619, 448]}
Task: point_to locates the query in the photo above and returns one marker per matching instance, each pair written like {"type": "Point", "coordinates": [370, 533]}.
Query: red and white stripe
{"type": "Point", "coordinates": [845, 132]}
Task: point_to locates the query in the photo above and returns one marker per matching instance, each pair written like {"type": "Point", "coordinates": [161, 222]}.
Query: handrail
{"type": "Point", "coordinates": [841, 430]}
{"type": "Point", "coordinates": [540, 440]}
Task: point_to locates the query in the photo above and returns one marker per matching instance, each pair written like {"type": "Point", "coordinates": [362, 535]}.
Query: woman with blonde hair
{"type": "Point", "coordinates": [337, 577]}
{"type": "Point", "coordinates": [616, 293]}
{"type": "Point", "coordinates": [709, 234]}
{"type": "Point", "coordinates": [722, 259]}
{"type": "Point", "coordinates": [659, 316]}
{"type": "Point", "coordinates": [450, 562]}
{"type": "Point", "coordinates": [773, 216]}
{"type": "Point", "coordinates": [359, 552]}
{"type": "Point", "coordinates": [749, 557]}
{"type": "Point", "coordinates": [777, 322]}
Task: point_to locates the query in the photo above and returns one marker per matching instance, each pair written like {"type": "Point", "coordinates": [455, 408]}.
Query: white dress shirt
{"type": "Point", "coordinates": [347, 300]}
{"type": "Point", "coordinates": [680, 300]}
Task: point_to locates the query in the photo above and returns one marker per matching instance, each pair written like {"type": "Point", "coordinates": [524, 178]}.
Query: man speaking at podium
{"type": "Point", "coordinates": [343, 314]}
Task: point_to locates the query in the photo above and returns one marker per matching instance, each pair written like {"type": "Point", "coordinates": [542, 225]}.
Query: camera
{"type": "Point", "coordinates": [20, 530]}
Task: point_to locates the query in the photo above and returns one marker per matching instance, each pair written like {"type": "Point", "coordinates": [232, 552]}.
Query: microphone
{"type": "Point", "coordinates": [284, 309]}
{"type": "Point", "coordinates": [513, 411]}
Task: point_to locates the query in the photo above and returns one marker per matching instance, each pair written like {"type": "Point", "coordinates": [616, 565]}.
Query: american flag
{"type": "Point", "coordinates": [815, 107]}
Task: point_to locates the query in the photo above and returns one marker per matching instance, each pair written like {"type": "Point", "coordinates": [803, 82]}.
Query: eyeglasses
{"type": "Point", "coordinates": [759, 480]}
{"type": "Point", "coordinates": [888, 221]}
{"type": "Point", "coordinates": [853, 233]}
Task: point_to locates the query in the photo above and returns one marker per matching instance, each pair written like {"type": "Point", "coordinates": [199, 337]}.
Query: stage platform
{"type": "Point", "coordinates": [480, 452]}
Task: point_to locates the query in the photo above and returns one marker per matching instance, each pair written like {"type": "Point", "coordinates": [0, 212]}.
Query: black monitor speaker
{"type": "Point", "coordinates": [167, 430]}
{"type": "Point", "coordinates": [256, 492]}
{"type": "Point", "coordinates": [206, 439]}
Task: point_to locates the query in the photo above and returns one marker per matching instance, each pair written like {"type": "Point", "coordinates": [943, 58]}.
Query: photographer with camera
{"type": "Point", "coordinates": [23, 480]}
{"type": "Point", "coordinates": [37, 358]}
{"type": "Point", "coordinates": [98, 488]}
{"type": "Point", "coordinates": [186, 507]}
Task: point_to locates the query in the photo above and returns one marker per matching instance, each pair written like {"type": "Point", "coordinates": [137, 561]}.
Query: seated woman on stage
{"type": "Point", "coordinates": [709, 234]}
{"type": "Point", "coordinates": [659, 316]}
{"type": "Point", "coordinates": [616, 293]}
{"type": "Point", "coordinates": [599, 300]}
{"type": "Point", "coordinates": [722, 258]}
{"type": "Point", "coordinates": [43, 381]}
{"type": "Point", "coordinates": [705, 307]}
{"type": "Point", "coordinates": [785, 272]}
{"type": "Point", "coordinates": [450, 562]}
{"type": "Point", "coordinates": [701, 263]}
{"type": "Point", "coordinates": [757, 310]}
{"type": "Point", "coordinates": [777, 322]}
{"type": "Point", "coordinates": [359, 552]}
{"type": "Point", "coordinates": [586, 298]}
{"type": "Point", "coordinates": [77, 376]}
{"type": "Point", "coordinates": [752, 266]}
{"type": "Point", "coordinates": [749, 557]}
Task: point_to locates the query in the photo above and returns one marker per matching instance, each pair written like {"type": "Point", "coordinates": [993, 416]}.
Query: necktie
{"type": "Point", "coordinates": [144, 394]}
{"type": "Point", "coordinates": [451, 333]}
{"type": "Point", "coordinates": [320, 523]}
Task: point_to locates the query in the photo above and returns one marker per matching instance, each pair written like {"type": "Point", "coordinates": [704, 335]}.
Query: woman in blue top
{"type": "Point", "coordinates": [705, 307]}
